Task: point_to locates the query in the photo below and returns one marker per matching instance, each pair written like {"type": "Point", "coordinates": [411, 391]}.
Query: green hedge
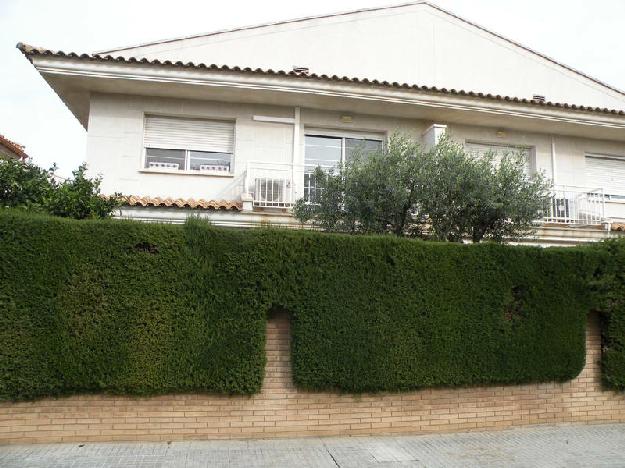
{"type": "Point", "coordinates": [141, 308]}
{"type": "Point", "coordinates": [113, 306]}
{"type": "Point", "coordinates": [609, 286]}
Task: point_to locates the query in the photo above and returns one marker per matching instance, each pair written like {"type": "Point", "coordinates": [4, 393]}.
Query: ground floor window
{"type": "Point", "coordinates": [501, 151]}
{"type": "Point", "coordinates": [606, 172]}
{"type": "Point", "coordinates": [330, 151]}
{"type": "Point", "coordinates": [181, 144]}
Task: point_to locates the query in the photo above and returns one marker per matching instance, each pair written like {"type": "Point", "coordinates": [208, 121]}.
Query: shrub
{"type": "Point", "coordinates": [27, 186]}
{"type": "Point", "coordinates": [119, 307]}
{"type": "Point", "coordinates": [23, 185]}
{"type": "Point", "coordinates": [609, 288]}
{"type": "Point", "coordinates": [80, 198]}
{"type": "Point", "coordinates": [374, 314]}
{"type": "Point", "coordinates": [446, 193]}
{"type": "Point", "coordinates": [137, 308]}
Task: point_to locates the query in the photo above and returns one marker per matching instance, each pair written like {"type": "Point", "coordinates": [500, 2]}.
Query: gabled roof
{"type": "Point", "coordinates": [13, 147]}
{"type": "Point", "coordinates": [30, 52]}
{"type": "Point", "coordinates": [367, 10]}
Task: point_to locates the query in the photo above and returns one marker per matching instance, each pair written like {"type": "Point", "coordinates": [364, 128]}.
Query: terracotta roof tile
{"type": "Point", "coordinates": [191, 203]}
{"type": "Point", "coordinates": [13, 147]}
{"type": "Point", "coordinates": [30, 51]}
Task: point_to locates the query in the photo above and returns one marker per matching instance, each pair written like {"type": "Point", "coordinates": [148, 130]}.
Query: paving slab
{"type": "Point", "coordinates": [537, 446]}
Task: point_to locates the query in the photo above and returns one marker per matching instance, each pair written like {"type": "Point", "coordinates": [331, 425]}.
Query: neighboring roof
{"type": "Point", "coordinates": [30, 51]}
{"type": "Point", "coordinates": [15, 148]}
{"type": "Point", "coordinates": [367, 10]}
{"type": "Point", "coordinates": [182, 203]}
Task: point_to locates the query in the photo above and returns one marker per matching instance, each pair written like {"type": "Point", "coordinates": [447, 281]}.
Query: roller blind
{"type": "Point", "coordinates": [189, 134]}
{"type": "Point", "coordinates": [607, 172]}
{"type": "Point", "coordinates": [500, 151]}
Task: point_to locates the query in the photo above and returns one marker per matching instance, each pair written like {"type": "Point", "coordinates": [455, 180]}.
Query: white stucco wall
{"type": "Point", "coordinates": [415, 44]}
{"type": "Point", "coordinates": [115, 144]}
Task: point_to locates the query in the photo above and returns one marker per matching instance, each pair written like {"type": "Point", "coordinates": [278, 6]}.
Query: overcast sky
{"type": "Point", "coordinates": [585, 34]}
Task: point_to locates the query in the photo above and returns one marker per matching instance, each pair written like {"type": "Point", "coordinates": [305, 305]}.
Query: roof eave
{"type": "Point", "coordinates": [60, 70]}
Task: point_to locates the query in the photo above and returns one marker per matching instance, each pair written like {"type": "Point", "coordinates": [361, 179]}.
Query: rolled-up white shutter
{"type": "Point", "coordinates": [607, 172]}
{"type": "Point", "coordinates": [189, 134]}
{"type": "Point", "coordinates": [482, 149]}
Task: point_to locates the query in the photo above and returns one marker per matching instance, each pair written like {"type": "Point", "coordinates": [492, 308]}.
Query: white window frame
{"type": "Point", "coordinates": [149, 170]}
{"type": "Point", "coordinates": [609, 197]}
{"type": "Point", "coordinates": [343, 135]}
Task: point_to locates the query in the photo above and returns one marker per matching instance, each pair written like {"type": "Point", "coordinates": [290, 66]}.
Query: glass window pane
{"type": "Point", "coordinates": [322, 151]}
{"type": "Point", "coordinates": [164, 159]}
{"type": "Point", "coordinates": [206, 161]}
{"type": "Point", "coordinates": [362, 147]}
{"type": "Point", "coordinates": [311, 191]}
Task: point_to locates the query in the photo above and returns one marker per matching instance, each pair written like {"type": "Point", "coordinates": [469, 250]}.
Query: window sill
{"type": "Point", "coordinates": [187, 173]}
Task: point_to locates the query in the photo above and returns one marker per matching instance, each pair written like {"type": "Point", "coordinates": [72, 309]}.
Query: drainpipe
{"type": "Point", "coordinates": [553, 160]}
{"type": "Point", "coordinates": [296, 149]}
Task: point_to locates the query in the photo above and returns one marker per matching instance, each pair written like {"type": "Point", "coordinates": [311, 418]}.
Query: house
{"type": "Point", "coordinates": [12, 150]}
{"type": "Point", "coordinates": [230, 124]}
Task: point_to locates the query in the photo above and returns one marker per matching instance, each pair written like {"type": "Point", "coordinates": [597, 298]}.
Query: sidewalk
{"type": "Point", "coordinates": [552, 446]}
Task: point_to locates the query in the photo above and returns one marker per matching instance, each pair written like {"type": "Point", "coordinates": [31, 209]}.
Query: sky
{"type": "Point", "coordinates": [584, 34]}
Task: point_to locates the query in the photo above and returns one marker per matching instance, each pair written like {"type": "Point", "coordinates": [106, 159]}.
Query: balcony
{"type": "Point", "coordinates": [271, 185]}
{"type": "Point", "coordinates": [279, 185]}
{"type": "Point", "coordinates": [576, 206]}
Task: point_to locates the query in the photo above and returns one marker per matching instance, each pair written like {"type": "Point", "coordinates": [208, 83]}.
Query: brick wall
{"type": "Point", "coordinates": [281, 411]}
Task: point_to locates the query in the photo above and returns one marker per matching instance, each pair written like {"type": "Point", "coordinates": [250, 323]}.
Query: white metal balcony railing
{"type": "Point", "coordinates": [574, 205]}
{"type": "Point", "coordinates": [270, 184]}
{"type": "Point", "coordinates": [277, 185]}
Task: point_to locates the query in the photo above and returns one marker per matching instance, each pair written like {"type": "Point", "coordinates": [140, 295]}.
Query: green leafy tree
{"type": "Point", "coordinates": [27, 186]}
{"type": "Point", "coordinates": [80, 198]}
{"type": "Point", "coordinates": [23, 185]}
{"type": "Point", "coordinates": [445, 193]}
{"type": "Point", "coordinates": [480, 197]}
{"type": "Point", "coordinates": [373, 193]}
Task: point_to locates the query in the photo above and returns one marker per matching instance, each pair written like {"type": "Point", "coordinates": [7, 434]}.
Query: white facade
{"type": "Point", "coordinates": [265, 117]}
{"type": "Point", "coordinates": [115, 148]}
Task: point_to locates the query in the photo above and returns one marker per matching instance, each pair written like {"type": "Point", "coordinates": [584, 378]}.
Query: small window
{"type": "Point", "coordinates": [323, 151]}
{"type": "Point", "coordinates": [363, 147]}
{"type": "Point", "coordinates": [178, 144]}
{"type": "Point", "coordinates": [165, 159]}
{"type": "Point", "coordinates": [330, 151]}
{"type": "Point", "coordinates": [207, 161]}
{"type": "Point", "coordinates": [606, 172]}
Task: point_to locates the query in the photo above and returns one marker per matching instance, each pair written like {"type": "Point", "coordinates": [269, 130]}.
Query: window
{"type": "Point", "coordinates": [179, 144]}
{"type": "Point", "coordinates": [500, 151]}
{"type": "Point", "coordinates": [329, 151]}
{"type": "Point", "coordinates": [606, 172]}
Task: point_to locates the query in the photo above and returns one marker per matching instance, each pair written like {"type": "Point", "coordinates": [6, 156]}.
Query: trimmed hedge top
{"type": "Point", "coordinates": [138, 308]}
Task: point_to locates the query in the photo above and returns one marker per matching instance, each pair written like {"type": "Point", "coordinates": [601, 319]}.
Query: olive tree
{"type": "Point", "coordinates": [372, 193]}
{"type": "Point", "coordinates": [445, 193]}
